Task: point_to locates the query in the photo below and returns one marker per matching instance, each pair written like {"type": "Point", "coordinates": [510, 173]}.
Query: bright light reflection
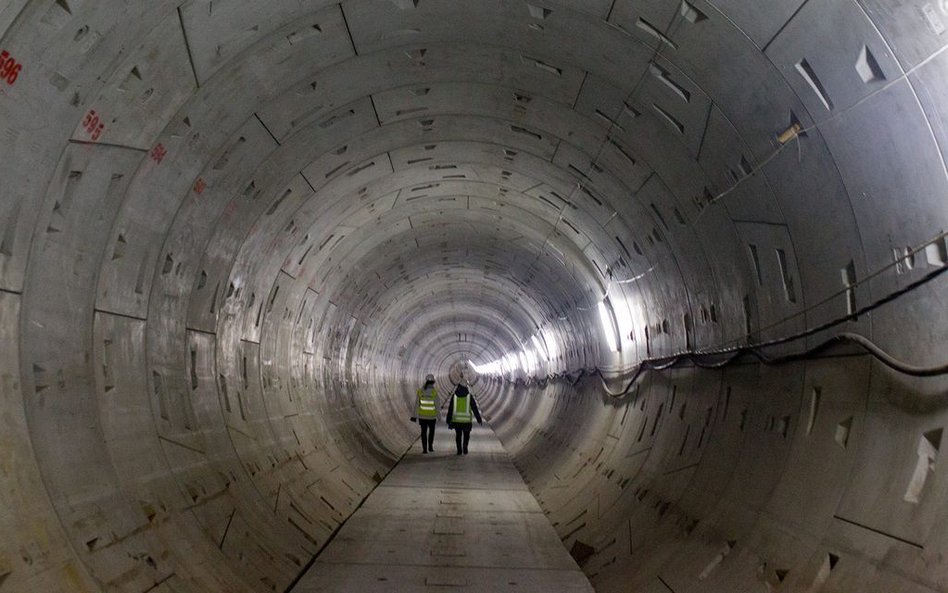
{"type": "Point", "coordinates": [528, 359]}
{"type": "Point", "coordinates": [540, 349]}
{"type": "Point", "coordinates": [510, 362]}
{"type": "Point", "coordinates": [552, 346]}
{"type": "Point", "coordinates": [531, 360]}
{"type": "Point", "coordinates": [623, 316]}
{"type": "Point", "coordinates": [608, 327]}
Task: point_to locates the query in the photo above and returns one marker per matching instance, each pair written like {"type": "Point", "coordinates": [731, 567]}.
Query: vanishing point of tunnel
{"type": "Point", "coordinates": [687, 255]}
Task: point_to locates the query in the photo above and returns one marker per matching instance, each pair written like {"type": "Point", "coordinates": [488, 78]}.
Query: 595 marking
{"type": "Point", "coordinates": [92, 125]}
{"type": "Point", "coordinates": [9, 67]}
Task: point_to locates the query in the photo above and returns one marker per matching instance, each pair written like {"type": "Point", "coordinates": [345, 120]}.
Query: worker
{"type": "Point", "coordinates": [459, 416]}
{"type": "Point", "coordinates": [427, 413]}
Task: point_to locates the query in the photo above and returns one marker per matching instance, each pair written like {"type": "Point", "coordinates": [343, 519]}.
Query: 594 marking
{"type": "Point", "coordinates": [158, 153]}
{"type": "Point", "coordinates": [9, 68]}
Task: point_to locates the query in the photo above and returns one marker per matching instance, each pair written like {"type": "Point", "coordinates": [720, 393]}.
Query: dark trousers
{"type": "Point", "coordinates": [462, 435]}
{"type": "Point", "coordinates": [427, 433]}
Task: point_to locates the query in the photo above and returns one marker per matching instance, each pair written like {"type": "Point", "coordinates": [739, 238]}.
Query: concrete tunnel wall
{"type": "Point", "coordinates": [235, 234]}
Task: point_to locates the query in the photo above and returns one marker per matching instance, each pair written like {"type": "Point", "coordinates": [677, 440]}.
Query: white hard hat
{"type": "Point", "coordinates": [429, 377]}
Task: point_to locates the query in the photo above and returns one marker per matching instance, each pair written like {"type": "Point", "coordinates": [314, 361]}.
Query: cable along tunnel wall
{"type": "Point", "coordinates": [748, 476]}
{"type": "Point", "coordinates": [234, 235]}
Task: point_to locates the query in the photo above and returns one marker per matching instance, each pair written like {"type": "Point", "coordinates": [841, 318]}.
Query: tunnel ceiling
{"type": "Point", "coordinates": [222, 219]}
{"type": "Point", "coordinates": [567, 146]}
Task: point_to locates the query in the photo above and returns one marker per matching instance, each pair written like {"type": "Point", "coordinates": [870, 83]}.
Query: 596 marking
{"type": "Point", "coordinates": [92, 125]}
{"type": "Point", "coordinates": [9, 67]}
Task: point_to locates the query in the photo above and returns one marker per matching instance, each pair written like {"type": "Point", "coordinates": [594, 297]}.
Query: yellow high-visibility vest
{"type": "Point", "coordinates": [427, 403]}
{"type": "Point", "coordinates": [462, 410]}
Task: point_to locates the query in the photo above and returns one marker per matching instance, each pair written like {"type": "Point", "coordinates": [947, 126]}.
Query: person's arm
{"type": "Point", "coordinates": [477, 413]}
{"type": "Point", "coordinates": [450, 410]}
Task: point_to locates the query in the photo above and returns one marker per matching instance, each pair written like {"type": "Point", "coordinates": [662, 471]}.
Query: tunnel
{"type": "Point", "coordinates": [685, 253]}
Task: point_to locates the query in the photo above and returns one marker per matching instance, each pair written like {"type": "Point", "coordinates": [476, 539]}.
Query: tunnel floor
{"type": "Point", "coordinates": [444, 522]}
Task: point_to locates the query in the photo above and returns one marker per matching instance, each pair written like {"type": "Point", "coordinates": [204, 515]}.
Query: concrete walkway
{"type": "Point", "coordinates": [443, 522]}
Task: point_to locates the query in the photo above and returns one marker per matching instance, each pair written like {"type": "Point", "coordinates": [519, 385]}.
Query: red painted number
{"type": "Point", "coordinates": [158, 153]}
{"type": "Point", "coordinates": [199, 186]}
{"type": "Point", "coordinates": [92, 125]}
{"type": "Point", "coordinates": [9, 67]}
